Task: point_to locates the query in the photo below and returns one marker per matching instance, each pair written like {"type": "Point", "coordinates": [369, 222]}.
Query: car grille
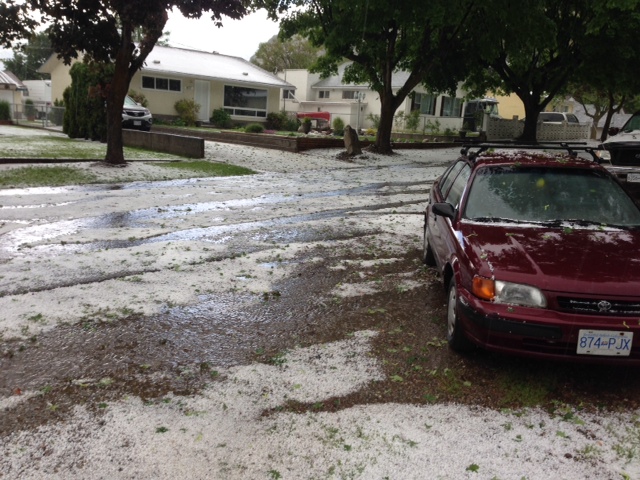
{"type": "Point", "coordinates": [625, 156]}
{"type": "Point", "coordinates": [134, 113]}
{"type": "Point", "coordinates": [599, 306]}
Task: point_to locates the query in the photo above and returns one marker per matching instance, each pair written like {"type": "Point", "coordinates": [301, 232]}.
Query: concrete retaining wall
{"type": "Point", "coordinates": [185, 146]}
{"type": "Point", "coordinates": [297, 143]}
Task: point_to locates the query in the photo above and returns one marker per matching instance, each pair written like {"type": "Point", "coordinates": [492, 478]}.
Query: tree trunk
{"type": "Point", "coordinates": [115, 99]}
{"type": "Point", "coordinates": [531, 112]}
{"type": "Point", "coordinates": [383, 137]}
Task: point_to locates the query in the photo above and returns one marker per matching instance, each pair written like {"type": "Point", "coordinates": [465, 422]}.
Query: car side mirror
{"type": "Point", "coordinates": [444, 210]}
{"type": "Point", "coordinates": [613, 131]}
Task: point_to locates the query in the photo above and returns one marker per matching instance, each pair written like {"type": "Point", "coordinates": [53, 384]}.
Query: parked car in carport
{"type": "Point", "coordinates": [623, 145]}
{"type": "Point", "coordinates": [135, 116]}
{"type": "Point", "coordinates": [557, 118]}
{"type": "Point", "coordinates": [538, 253]}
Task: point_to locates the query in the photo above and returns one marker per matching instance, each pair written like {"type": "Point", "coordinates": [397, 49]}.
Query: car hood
{"type": "Point", "coordinates": [622, 139]}
{"type": "Point", "coordinates": [568, 259]}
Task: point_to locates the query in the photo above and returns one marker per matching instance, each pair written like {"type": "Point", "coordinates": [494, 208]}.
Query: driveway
{"type": "Point", "coordinates": [225, 328]}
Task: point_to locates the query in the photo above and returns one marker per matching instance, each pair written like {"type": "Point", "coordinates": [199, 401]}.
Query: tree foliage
{"type": "Point", "coordinates": [15, 22]}
{"type": "Point", "coordinates": [104, 31]}
{"type": "Point", "coordinates": [276, 55]}
{"type": "Point", "coordinates": [534, 48]}
{"type": "Point", "coordinates": [29, 57]}
{"type": "Point", "coordinates": [608, 80]}
{"type": "Point", "coordinates": [380, 38]}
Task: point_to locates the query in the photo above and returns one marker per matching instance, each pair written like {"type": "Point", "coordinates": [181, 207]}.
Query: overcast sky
{"type": "Point", "coordinates": [239, 38]}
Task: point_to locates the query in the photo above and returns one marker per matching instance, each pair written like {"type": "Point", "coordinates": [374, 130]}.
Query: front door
{"type": "Point", "coordinates": [201, 97]}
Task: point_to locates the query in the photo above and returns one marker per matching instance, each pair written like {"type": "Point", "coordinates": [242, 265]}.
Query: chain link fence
{"type": "Point", "coordinates": [37, 115]}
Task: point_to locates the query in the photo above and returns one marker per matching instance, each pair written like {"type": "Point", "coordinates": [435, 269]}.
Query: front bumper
{"type": "Point", "coordinates": [539, 333]}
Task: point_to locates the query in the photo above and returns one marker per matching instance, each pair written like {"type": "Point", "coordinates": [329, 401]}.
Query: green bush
{"type": "Point", "coordinates": [281, 121]}
{"type": "Point", "coordinates": [338, 126]}
{"type": "Point", "coordinates": [30, 109]}
{"type": "Point", "coordinates": [139, 98]}
{"type": "Point", "coordinates": [276, 120]}
{"type": "Point", "coordinates": [254, 128]}
{"type": "Point", "coordinates": [374, 119]}
{"type": "Point", "coordinates": [5, 110]}
{"type": "Point", "coordinates": [413, 120]}
{"type": "Point", "coordinates": [56, 115]}
{"type": "Point", "coordinates": [85, 114]}
{"type": "Point", "coordinates": [221, 118]}
{"type": "Point", "coordinates": [187, 111]}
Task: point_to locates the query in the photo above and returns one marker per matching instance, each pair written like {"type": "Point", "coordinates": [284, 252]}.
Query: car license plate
{"type": "Point", "coordinates": [604, 342]}
{"type": "Point", "coordinates": [137, 123]}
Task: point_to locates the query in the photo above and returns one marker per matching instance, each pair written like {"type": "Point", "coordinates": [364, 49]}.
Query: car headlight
{"type": "Point", "coordinates": [508, 293]}
{"type": "Point", "coordinates": [603, 154]}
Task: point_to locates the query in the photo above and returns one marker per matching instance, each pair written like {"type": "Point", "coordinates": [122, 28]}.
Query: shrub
{"type": "Point", "coordinates": [30, 109]}
{"type": "Point", "coordinates": [276, 120]}
{"type": "Point", "coordinates": [85, 115]}
{"type": "Point", "coordinates": [432, 127]}
{"type": "Point", "coordinates": [220, 118]}
{"type": "Point", "coordinates": [56, 116]}
{"type": "Point", "coordinates": [139, 98]}
{"type": "Point", "coordinates": [254, 128]}
{"type": "Point", "coordinates": [5, 110]}
{"type": "Point", "coordinates": [338, 126]}
{"type": "Point", "coordinates": [187, 110]}
{"type": "Point", "coordinates": [291, 125]}
{"type": "Point", "coordinates": [413, 120]}
{"type": "Point", "coordinates": [374, 119]}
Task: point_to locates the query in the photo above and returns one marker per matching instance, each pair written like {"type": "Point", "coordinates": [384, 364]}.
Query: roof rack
{"type": "Point", "coordinates": [572, 148]}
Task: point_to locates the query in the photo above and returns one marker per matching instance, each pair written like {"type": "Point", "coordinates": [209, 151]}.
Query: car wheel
{"type": "Point", "coordinates": [455, 331]}
{"type": "Point", "coordinates": [427, 252]}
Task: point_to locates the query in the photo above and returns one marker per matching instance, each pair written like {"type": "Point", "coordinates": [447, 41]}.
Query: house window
{"type": "Point", "coordinates": [287, 94]}
{"type": "Point", "coordinates": [323, 94]}
{"type": "Point", "coordinates": [246, 102]}
{"type": "Point", "coordinates": [158, 83]}
{"type": "Point", "coordinates": [349, 95]}
{"type": "Point", "coordinates": [451, 107]}
{"type": "Point", "coordinates": [425, 103]}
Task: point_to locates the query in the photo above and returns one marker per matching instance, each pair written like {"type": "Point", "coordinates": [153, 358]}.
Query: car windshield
{"type": "Point", "coordinates": [632, 124]}
{"type": "Point", "coordinates": [549, 195]}
{"type": "Point", "coordinates": [130, 102]}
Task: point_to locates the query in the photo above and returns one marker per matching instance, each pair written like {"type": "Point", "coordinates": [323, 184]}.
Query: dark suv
{"type": "Point", "coordinates": [539, 252]}
{"type": "Point", "coordinates": [623, 146]}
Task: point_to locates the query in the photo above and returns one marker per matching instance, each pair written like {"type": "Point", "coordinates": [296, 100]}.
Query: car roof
{"type": "Point", "coordinates": [539, 155]}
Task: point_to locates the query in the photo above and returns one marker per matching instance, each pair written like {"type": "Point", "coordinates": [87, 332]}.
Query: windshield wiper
{"type": "Point", "coordinates": [494, 220]}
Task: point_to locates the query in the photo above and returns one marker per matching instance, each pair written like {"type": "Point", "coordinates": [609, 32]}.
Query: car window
{"type": "Point", "coordinates": [550, 117]}
{"type": "Point", "coordinates": [458, 186]}
{"type": "Point", "coordinates": [450, 176]}
{"type": "Point", "coordinates": [549, 195]}
{"type": "Point", "coordinates": [632, 124]}
{"type": "Point", "coordinates": [571, 118]}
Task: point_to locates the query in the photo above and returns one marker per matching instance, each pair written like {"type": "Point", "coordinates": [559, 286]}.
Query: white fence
{"type": "Point", "coordinates": [503, 129]}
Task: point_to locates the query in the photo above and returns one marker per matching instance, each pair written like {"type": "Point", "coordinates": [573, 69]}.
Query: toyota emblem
{"type": "Point", "coordinates": [604, 306]}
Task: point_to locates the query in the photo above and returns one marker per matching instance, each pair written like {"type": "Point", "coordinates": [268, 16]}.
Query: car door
{"type": "Point", "coordinates": [449, 190]}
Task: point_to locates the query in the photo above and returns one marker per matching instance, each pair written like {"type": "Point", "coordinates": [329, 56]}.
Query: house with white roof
{"type": "Point", "coordinates": [11, 88]}
{"type": "Point", "coordinates": [212, 80]}
{"type": "Point", "coordinates": [357, 103]}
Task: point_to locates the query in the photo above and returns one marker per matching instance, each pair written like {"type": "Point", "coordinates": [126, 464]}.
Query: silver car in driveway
{"type": "Point", "coordinates": [135, 116]}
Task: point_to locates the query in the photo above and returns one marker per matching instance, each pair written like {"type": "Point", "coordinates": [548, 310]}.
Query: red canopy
{"type": "Point", "coordinates": [315, 115]}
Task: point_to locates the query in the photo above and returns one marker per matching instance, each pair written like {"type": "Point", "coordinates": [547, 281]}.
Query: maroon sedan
{"type": "Point", "coordinates": [539, 253]}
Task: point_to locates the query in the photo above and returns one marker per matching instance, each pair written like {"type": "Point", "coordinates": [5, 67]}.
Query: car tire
{"type": "Point", "coordinates": [455, 331]}
{"type": "Point", "coordinates": [427, 253]}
